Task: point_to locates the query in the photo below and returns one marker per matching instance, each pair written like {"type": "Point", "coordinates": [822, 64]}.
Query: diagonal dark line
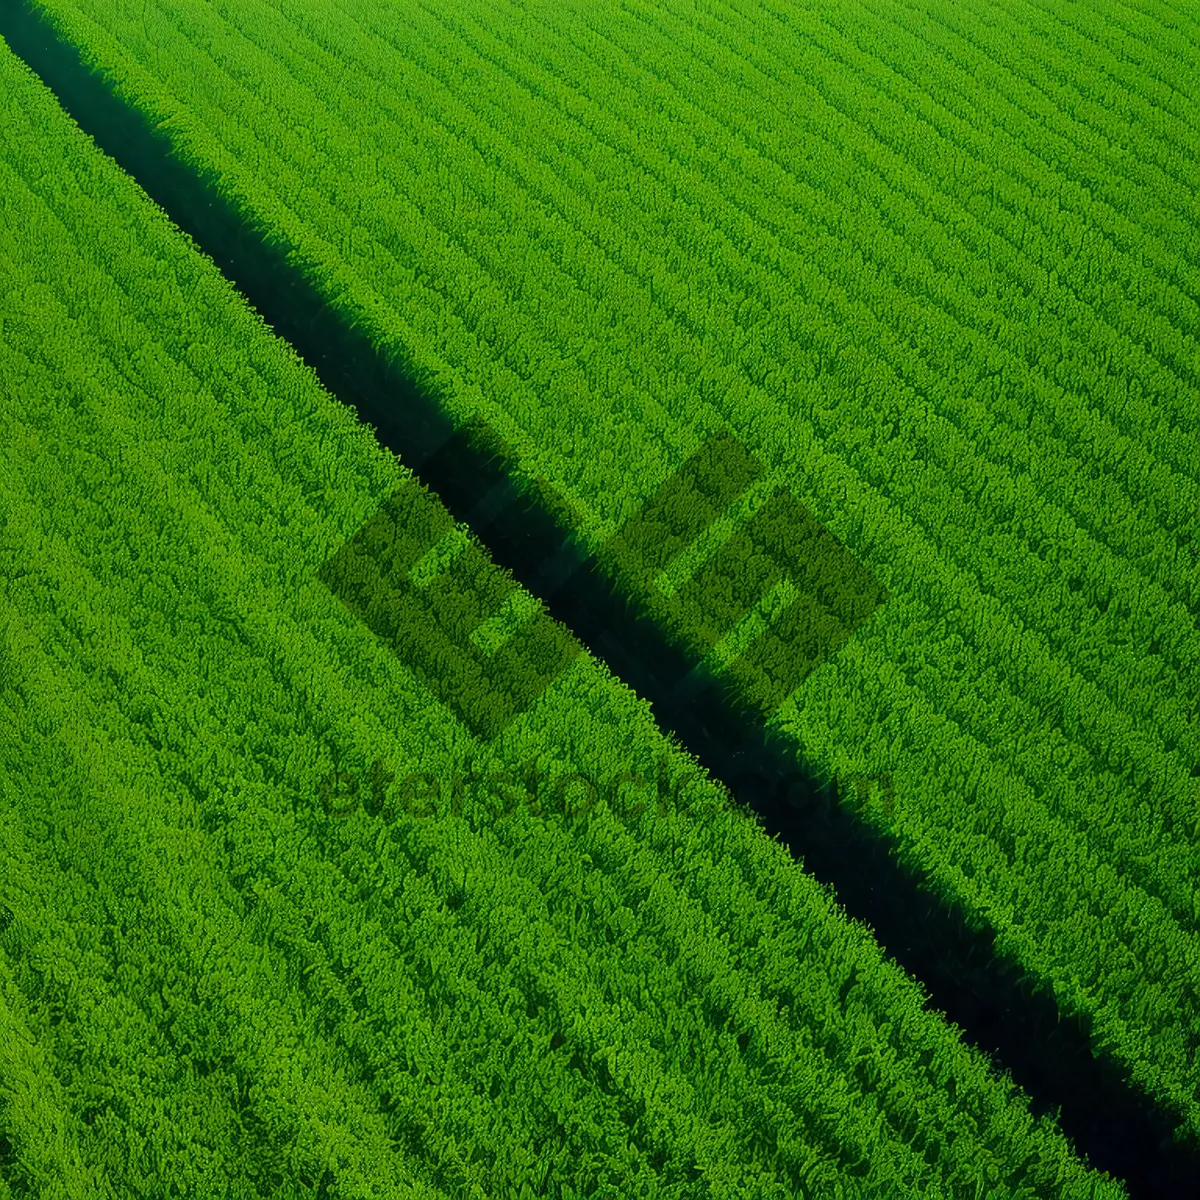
{"type": "Point", "coordinates": [1111, 1122]}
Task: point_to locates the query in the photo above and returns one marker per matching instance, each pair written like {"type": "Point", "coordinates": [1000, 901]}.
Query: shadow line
{"type": "Point", "coordinates": [1108, 1120]}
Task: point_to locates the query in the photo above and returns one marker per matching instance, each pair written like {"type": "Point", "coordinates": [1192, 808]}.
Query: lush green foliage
{"type": "Point", "coordinates": [208, 986]}
{"type": "Point", "coordinates": [934, 267]}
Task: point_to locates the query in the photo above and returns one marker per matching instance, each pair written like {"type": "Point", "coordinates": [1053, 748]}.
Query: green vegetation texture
{"type": "Point", "coordinates": [934, 266]}
{"type": "Point", "coordinates": [212, 986]}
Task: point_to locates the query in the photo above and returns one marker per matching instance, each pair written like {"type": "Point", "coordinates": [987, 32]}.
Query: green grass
{"type": "Point", "coordinates": [210, 986]}
{"type": "Point", "coordinates": [934, 269]}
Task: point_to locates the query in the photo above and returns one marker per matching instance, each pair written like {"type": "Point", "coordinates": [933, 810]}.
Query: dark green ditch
{"type": "Point", "coordinates": [470, 469]}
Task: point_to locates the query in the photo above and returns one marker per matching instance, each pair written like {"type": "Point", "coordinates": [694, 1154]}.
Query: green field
{"type": "Point", "coordinates": [858, 345]}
